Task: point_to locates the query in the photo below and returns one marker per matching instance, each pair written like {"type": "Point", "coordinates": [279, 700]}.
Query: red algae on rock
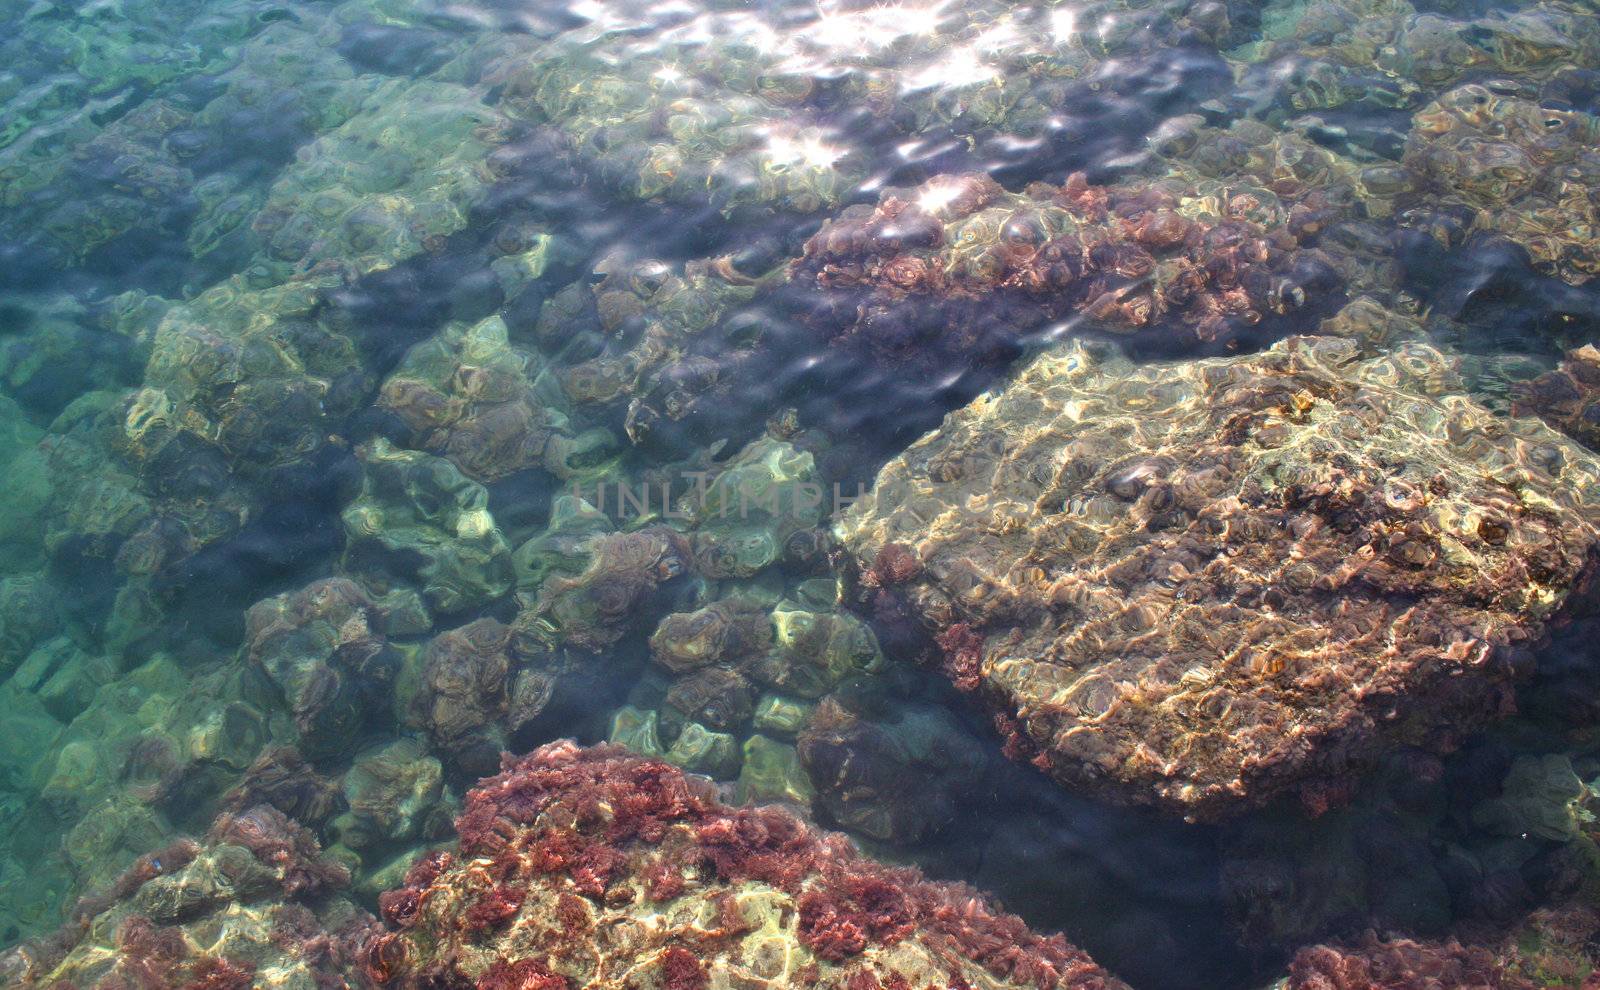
{"type": "Point", "coordinates": [1550, 949]}
{"type": "Point", "coordinates": [560, 881]}
{"type": "Point", "coordinates": [254, 904]}
{"type": "Point", "coordinates": [958, 269]}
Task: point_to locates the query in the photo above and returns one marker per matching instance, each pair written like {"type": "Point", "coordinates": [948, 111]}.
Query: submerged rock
{"type": "Point", "coordinates": [479, 684]}
{"type": "Point", "coordinates": [593, 609]}
{"type": "Point", "coordinates": [648, 346]}
{"type": "Point", "coordinates": [255, 904]}
{"type": "Point", "coordinates": [588, 867]}
{"type": "Point", "coordinates": [958, 270]}
{"type": "Point", "coordinates": [420, 522]}
{"type": "Point", "coordinates": [283, 779]}
{"type": "Point", "coordinates": [1383, 54]}
{"type": "Point", "coordinates": [1203, 585]}
{"type": "Point", "coordinates": [896, 778]}
{"type": "Point", "coordinates": [1549, 949]}
{"type": "Point", "coordinates": [390, 790]}
{"type": "Point", "coordinates": [469, 396]}
{"type": "Point", "coordinates": [1567, 398]}
{"type": "Point", "coordinates": [324, 648]}
{"type": "Point", "coordinates": [394, 180]}
{"type": "Point", "coordinates": [1518, 168]}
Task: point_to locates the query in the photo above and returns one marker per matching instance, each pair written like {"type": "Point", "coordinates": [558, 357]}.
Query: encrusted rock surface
{"type": "Point", "coordinates": [594, 867]}
{"type": "Point", "coordinates": [1203, 585]}
{"type": "Point", "coordinates": [253, 905]}
{"type": "Point", "coordinates": [959, 268]}
{"type": "Point", "coordinates": [1551, 948]}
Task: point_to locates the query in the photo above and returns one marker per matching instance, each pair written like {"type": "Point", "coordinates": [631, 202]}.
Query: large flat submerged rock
{"type": "Point", "coordinates": [1204, 585]}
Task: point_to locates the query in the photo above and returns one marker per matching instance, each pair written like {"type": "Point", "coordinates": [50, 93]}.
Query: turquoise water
{"type": "Point", "coordinates": [389, 384]}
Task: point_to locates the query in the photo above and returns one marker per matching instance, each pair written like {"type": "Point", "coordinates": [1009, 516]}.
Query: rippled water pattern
{"type": "Point", "coordinates": [1135, 457]}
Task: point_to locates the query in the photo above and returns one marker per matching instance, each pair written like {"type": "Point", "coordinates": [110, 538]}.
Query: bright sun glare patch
{"type": "Point", "coordinates": [874, 27]}
{"type": "Point", "coordinates": [938, 195]}
{"type": "Point", "coordinates": [809, 151]}
{"type": "Point", "coordinates": [1063, 24]}
{"type": "Point", "coordinates": [962, 67]}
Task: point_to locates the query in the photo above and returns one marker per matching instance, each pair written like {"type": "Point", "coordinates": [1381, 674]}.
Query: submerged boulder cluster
{"type": "Point", "coordinates": [390, 386]}
{"type": "Point", "coordinates": [574, 867]}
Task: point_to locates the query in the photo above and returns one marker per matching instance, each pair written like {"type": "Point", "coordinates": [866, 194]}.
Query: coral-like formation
{"type": "Point", "coordinates": [717, 127]}
{"type": "Point", "coordinates": [579, 867]}
{"type": "Point", "coordinates": [739, 110]}
{"type": "Point", "coordinates": [1204, 584]}
{"type": "Point", "coordinates": [104, 765]}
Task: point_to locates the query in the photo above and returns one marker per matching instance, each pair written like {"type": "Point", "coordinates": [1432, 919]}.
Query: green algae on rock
{"type": "Point", "coordinates": [419, 522]}
{"type": "Point", "coordinates": [1204, 585]}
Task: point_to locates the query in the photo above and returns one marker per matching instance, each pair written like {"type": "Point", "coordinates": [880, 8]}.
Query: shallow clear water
{"type": "Point", "coordinates": [335, 335]}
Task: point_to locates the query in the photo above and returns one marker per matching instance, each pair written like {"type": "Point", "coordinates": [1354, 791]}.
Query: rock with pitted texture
{"type": "Point", "coordinates": [1204, 585]}
{"type": "Point", "coordinates": [597, 868]}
